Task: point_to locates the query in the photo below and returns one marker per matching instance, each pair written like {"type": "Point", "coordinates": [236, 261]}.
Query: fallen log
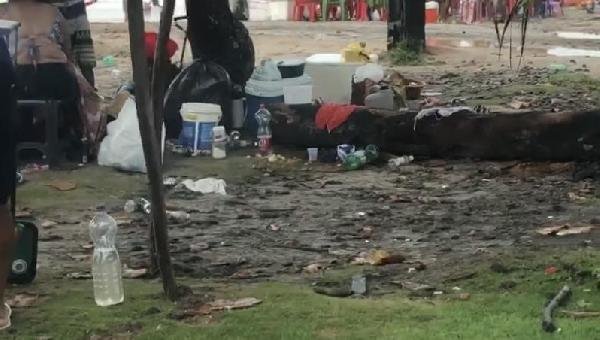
{"type": "Point", "coordinates": [537, 136]}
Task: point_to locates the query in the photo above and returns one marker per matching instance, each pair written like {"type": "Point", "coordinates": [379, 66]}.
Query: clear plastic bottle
{"type": "Point", "coordinates": [219, 144]}
{"type": "Point", "coordinates": [106, 265]}
{"type": "Point", "coordinates": [264, 134]}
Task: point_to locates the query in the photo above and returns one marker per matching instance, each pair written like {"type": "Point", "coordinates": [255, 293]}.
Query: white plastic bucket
{"type": "Point", "coordinates": [199, 119]}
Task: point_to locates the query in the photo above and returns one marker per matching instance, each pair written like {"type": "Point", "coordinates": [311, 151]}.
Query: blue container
{"type": "Point", "coordinates": [252, 106]}
{"type": "Point", "coordinates": [197, 136]}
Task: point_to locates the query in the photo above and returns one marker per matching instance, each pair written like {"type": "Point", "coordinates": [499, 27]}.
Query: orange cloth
{"type": "Point", "coordinates": [331, 116]}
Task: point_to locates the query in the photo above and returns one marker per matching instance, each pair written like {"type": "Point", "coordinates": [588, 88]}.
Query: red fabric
{"type": "Point", "coordinates": [151, 39]}
{"type": "Point", "coordinates": [331, 116]}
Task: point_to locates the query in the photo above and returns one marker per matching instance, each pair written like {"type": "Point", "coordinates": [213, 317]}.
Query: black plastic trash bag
{"type": "Point", "coordinates": [201, 82]}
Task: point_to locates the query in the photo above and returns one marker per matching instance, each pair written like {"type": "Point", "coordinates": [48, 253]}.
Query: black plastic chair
{"type": "Point", "coordinates": [50, 148]}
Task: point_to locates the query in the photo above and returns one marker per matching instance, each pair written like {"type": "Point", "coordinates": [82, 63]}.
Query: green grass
{"type": "Point", "coordinates": [404, 56]}
{"type": "Point", "coordinates": [294, 311]}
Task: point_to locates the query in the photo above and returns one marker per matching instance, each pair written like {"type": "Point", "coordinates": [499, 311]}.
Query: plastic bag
{"type": "Point", "coordinates": [122, 146]}
{"type": "Point", "coordinates": [201, 82]}
{"type": "Point", "coordinates": [267, 71]}
{"type": "Point", "coordinates": [373, 72]}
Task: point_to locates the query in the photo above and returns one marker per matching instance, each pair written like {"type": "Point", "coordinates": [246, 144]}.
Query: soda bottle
{"type": "Point", "coordinates": [106, 265]}
{"type": "Point", "coordinates": [264, 135]}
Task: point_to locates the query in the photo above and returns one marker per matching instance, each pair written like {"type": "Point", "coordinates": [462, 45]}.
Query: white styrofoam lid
{"type": "Point", "coordinates": [201, 108]}
{"type": "Point", "coordinates": [325, 58]}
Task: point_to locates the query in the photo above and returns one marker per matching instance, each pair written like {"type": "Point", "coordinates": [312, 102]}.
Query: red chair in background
{"type": "Point", "coordinates": [310, 5]}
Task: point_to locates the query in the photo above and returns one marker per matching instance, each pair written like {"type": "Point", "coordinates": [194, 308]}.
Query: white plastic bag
{"type": "Point", "coordinates": [122, 146]}
{"type": "Point", "coordinates": [206, 186]}
{"type": "Point", "coordinates": [369, 71]}
{"type": "Point", "coordinates": [267, 71]}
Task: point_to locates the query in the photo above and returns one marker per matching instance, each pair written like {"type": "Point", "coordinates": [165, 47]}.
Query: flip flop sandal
{"type": "Point", "coordinates": [8, 325]}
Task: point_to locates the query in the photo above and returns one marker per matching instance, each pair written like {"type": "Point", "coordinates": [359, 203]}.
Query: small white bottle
{"type": "Point", "coordinates": [106, 265]}
{"type": "Point", "coordinates": [219, 145]}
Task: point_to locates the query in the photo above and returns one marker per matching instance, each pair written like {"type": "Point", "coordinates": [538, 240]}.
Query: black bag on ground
{"type": "Point", "coordinates": [24, 261]}
{"type": "Point", "coordinates": [201, 82]}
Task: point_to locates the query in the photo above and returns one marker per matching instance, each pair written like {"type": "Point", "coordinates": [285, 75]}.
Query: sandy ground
{"type": "Point", "coordinates": [465, 48]}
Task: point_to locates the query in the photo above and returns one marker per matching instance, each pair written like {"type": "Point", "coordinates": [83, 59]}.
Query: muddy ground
{"type": "Point", "coordinates": [281, 217]}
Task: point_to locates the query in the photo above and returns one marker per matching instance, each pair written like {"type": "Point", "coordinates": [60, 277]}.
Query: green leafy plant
{"type": "Point", "coordinates": [403, 55]}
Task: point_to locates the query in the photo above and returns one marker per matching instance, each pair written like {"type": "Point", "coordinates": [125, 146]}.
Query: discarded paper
{"type": "Point", "coordinates": [566, 229]}
{"type": "Point", "coordinates": [61, 185]}
{"type": "Point", "coordinates": [206, 186]}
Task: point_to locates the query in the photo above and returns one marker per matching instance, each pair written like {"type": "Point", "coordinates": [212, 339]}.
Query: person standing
{"type": "Point", "coordinates": [77, 27]}
{"type": "Point", "coordinates": [7, 176]}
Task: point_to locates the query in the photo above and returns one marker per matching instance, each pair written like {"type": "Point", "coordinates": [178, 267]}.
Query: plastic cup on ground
{"type": "Point", "coordinates": [313, 154]}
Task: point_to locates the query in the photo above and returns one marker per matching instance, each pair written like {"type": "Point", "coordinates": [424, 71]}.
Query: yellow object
{"type": "Point", "coordinates": [355, 53]}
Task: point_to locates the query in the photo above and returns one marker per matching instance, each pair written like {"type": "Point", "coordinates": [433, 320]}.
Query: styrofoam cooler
{"type": "Point", "coordinates": [199, 119]}
{"type": "Point", "coordinates": [331, 77]}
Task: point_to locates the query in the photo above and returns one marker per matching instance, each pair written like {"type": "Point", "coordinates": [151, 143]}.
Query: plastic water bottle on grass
{"type": "Point", "coordinates": [106, 265]}
{"type": "Point", "coordinates": [264, 134]}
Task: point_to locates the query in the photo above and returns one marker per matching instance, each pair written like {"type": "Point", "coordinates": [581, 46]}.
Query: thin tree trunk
{"type": "Point", "coordinates": [152, 150]}
{"type": "Point", "coordinates": [406, 24]}
{"type": "Point", "coordinates": [159, 86]}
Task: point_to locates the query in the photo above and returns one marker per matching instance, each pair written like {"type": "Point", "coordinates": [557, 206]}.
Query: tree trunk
{"type": "Point", "coordinates": [406, 24]}
{"type": "Point", "coordinates": [537, 136]}
{"type": "Point", "coordinates": [152, 150]}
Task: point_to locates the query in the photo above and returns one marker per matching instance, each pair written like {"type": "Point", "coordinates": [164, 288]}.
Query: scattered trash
{"type": "Point", "coordinates": [359, 285]}
{"type": "Point", "coordinates": [129, 273]}
{"type": "Point", "coordinates": [344, 150]}
{"type": "Point", "coordinates": [438, 292]}
{"type": "Point", "coordinates": [358, 159]}
{"type": "Point", "coordinates": [47, 224]}
{"type": "Point", "coordinates": [170, 182]}
{"type": "Point", "coordinates": [199, 247]}
{"type": "Point", "coordinates": [108, 61]}
{"type": "Point", "coordinates": [79, 276]}
{"type": "Point", "coordinates": [219, 305]}
{"type": "Point", "coordinates": [370, 71]}
{"type": "Point", "coordinates": [518, 104]}
{"type": "Point", "coordinates": [122, 146]}
{"type": "Point", "coordinates": [440, 112]}
{"type": "Point", "coordinates": [378, 258]}
{"type": "Point", "coordinates": [206, 186]}
{"type": "Point", "coordinates": [140, 204]}
{"type": "Point", "coordinates": [130, 206]}
{"type": "Point", "coordinates": [179, 216]}
{"type": "Point", "coordinates": [551, 270]}
{"type": "Point", "coordinates": [106, 265]}
{"type": "Point", "coordinates": [560, 298]}
{"type": "Point", "coordinates": [313, 268]}
{"type": "Point", "coordinates": [264, 133]}
{"type": "Point", "coordinates": [274, 227]}
{"type": "Point", "coordinates": [23, 300]}
{"type": "Point", "coordinates": [313, 154]}
{"type": "Point", "coordinates": [62, 185]}
{"type": "Point", "coordinates": [566, 229]}
{"type": "Point", "coordinates": [399, 161]}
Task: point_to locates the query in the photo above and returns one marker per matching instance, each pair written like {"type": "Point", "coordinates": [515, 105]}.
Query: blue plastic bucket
{"type": "Point", "coordinates": [199, 119]}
